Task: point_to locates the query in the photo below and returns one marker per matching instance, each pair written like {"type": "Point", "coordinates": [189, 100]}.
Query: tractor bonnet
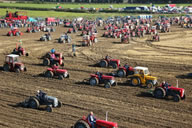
{"type": "Point", "coordinates": [106, 123]}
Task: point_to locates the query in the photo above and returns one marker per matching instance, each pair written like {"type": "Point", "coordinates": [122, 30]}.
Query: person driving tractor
{"type": "Point", "coordinates": [91, 119]}
{"type": "Point", "coordinates": [165, 85]}
{"type": "Point", "coordinates": [41, 94]}
{"type": "Point", "coordinates": [99, 75]}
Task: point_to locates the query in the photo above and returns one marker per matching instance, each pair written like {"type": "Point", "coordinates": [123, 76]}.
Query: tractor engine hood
{"type": "Point", "coordinates": [150, 77]}
{"type": "Point", "coordinates": [104, 77]}
{"type": "Point", "coordinates": [106, 124]}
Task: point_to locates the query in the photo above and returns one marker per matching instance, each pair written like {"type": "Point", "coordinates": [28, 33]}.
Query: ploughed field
{"type": "Point", "coordinates": [170, 59]}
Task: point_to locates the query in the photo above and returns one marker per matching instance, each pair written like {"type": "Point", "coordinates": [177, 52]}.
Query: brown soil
{"type": "Point", "coordinates": [170, 59]}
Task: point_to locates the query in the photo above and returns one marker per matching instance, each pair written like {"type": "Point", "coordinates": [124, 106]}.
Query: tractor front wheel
{"type": "Point", "coordinates": [17, 70]}
{"type": "Point", "coordinates": [49, 108]}
{"type": "Point", "coordinates": [103, 63]}
{"type": "Point", "coordinates": [107, 85]}
{"type": "Point", "coordinates": [60, 77]}
{"type": "Point", "coordinates": [114, 65]}
{"type": "Point", "coordinates": [176, 98]}
{"type": "Point", "coordinates": [81, 124]}
{"type": "Point", "coordinates": [149, 85]}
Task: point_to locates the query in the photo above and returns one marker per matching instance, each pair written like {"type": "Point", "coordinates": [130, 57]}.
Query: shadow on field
{"type": "Point", "coordinates": [1, 68]}
{"type": "Point", "coordinates": [144, 94]}
{"type": "Point", "coordinates": [185, 76]}
{"type": "Point", "coordinates": [94, 65]}
{"type": "Point", "coordinates": [119, 43]}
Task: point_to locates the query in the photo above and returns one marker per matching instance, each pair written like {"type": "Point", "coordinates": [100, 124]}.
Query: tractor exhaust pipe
{"type": "Point", "coordinates": [106, 115]}
{"type": "Point", "coordinates": [177, 84]}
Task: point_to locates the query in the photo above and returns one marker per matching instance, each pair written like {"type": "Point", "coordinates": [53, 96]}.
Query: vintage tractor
{"type": "Point", "coordinates": [70, 30]}
{"type": "Point", "coordinates": [20, 51]}
{"type": "Point", "coordinates": [115, 63]}
{"type": "Point", "coordinates": [64, 39]}
{"type": "Point", "coordinates": [45, 37]}
{"type": "Point", "coordinates": [155, 38]}
{"type": "Point", "coordinates": [125, 39]}
{"type": "Point", "coordinates": [12, 63]}
{"type": "Point", "coordinates": [125, 71]}
{"type": "Point", "coordinates": [108, 81]}
{"type": "Point", "coordinates": [46, 103]}
{"type": "Point", "coordinates": [48, 29]}
{"type": "Point", "coordinates": [55, 71]}
{"type": "Point", "coordinates": [14, 32]}
{"type": "Point", "coordinates": [176, 93]}
{"type": "Point", "coordinates": [33, 29]}
{"type": "Point", "coordinates": [143, 78]}
{"type": "Point", "coordinates": [57, 60]}
{"type": "Point", "coordinates": [83, 123]}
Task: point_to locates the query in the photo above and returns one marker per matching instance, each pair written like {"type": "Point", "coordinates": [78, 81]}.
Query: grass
{"type": "Point", "coordinates": [67, 5]}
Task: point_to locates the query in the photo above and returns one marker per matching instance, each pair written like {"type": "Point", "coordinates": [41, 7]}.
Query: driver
{"type": "Point", "coordinates": [41, 94]}
{"type": "Point", "coordinates": [91, 119]}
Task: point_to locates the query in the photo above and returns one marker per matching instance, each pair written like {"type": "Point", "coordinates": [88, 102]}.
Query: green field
{"type": "Point", "coordinates": [76, 5]}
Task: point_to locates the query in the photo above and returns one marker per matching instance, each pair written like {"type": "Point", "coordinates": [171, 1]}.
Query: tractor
{"type": "Point", "coordinates": [47, 29]}
{"type": "Point", "coordinates": [176, 93]}
{"type": "Point", "coordinates": [57, 60]}
{"type": "Point", "coordinates": [46, 37]}
{"type": "Point", "coordinates": [55, 71]}
{"type": "Point", "coordinates": [125, 71]}
{"type": "Point", "coordinates": [83, 123]}
{"type": "Point", "coordinates": [46, 103]}
{"type": "Point", "coordinates": [155, 38]}
{"type": "Point", "coordinates": [125, 39]}
{"type": "Point", "coordinates": [20, 51]}
{"type": "Point", "coordinates": [33, 29]}
{"type": "Point", "coordinates": [12, 63]}
{"type": "Point", "coordinates": [143, 78]}
{"type": "Point", "coordinates": [108, 81]}
{"type": "Point", "coordinates": [115, 63]}
{"type": "Point", "coordinates": [64, 39]}
{"type": "Point", "coordinates": [14, 32]}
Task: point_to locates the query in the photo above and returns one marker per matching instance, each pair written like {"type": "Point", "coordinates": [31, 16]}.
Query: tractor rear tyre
{"type": "Point", "coordinates": [81, 124]}
{"type": "Point", "coordinates": [107, 85]}
{"type": "Point", "coordinates": [6, 67]}
{"type": "Point", "coordinates": [159, 93]}
{"type": "Point", "coordinates": [135, 81]}
{"type": "Point", "coordinates": [49, 108]}
{"type": "Point", "coordinates": [121, 73]}
{"type": "Point", "coordinates": [176, 98]}
{"type": "Point", "coordinates": [33, 103]}
{"type": "Point", "coordinates": [48, 74]}
{"type": "Point", "coordinates": [93, 81]}
{"type": "Point", "coordinates": [46, 62]}
{"type": "Point", "coordinates": [103, 63]}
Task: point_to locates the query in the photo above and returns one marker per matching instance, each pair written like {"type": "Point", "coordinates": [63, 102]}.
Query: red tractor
{"type": "Point", "coordinates": [14, 32]}
{"type": "Point", "coordinates": [70, 30]}
{"type": "Point", "coordinates": [20, 51]}
{"type": "Point", "coordinates": [12, 63]}
{"type": "Point", "coordinates": [125, 39]}
{"type": "Point", "coordinates": [125, 71]}
{"type": "Point", "coordinates": [16, 16]}
{"type": "Point", "coordinates": [83, 123]}
{"type": "Point", "coordinates": [156, 37]}
{"type": "Point", "coordinates": [109, 62]}
{"type": "Point", "coordinates": [55, 71]}
{"type": "Point", "coordinates": [56, 60]}
{"type": "Point", "coordinates": [163, 92]}
{"type": "Point", "coordinates": [108, 81]}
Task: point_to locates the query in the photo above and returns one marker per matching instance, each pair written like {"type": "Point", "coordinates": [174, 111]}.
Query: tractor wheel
{"type": "Point", "coordinates": [114, 84]}
{"type": "Point", "coordinates": [93, 81]}
{"type": "Point", "coordinates": [103, 63]}
{"type": "Point", "coordinates": [49, 38]}
{"type": "Point", "coordinates": [6, 67]}
{"type": "Point", "coordinates": [107, 85]}
{"type": "Point", "coordinates": [149, 85]}
{"type": "Point", "coordinates": [114, 65]}
{"type": "Point", "coordinates": [176, 98]}
{"type": "Point", "coordinates": [184, 96]}
{"type": "Point", "coordinates": [17, 70]}
{"type": "Point", "coordinates": [121, 73]}
{"type": "Point", "coordinates": [69, 41]}
{"type": "Point", "coordinates": [81, 124]}
{"type": "Point", "coordinates": [159, 93]}
{"type": "Point", "coordinates": [49, 108]}
{"type": "Point", "coordinates": [60, 77]}
{"type": "Point", "coordinates": [59, 104]}
{"type": "Point", "coordinates": [64, 41]}
{"type": "Point", "coordinates": [135, 81]}
{"type": "Point", "coordinates": [95, 40]}
{"type": "Point", "coordinates": [49, 74]}
{"type": "Point", "coordinates": [33, 103]}
{"type": "Point", "coordinates": [46, 62]}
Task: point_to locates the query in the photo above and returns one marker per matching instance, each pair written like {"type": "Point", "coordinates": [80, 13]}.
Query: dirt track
{"type": "Point", "coordinates": [169, 59]}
